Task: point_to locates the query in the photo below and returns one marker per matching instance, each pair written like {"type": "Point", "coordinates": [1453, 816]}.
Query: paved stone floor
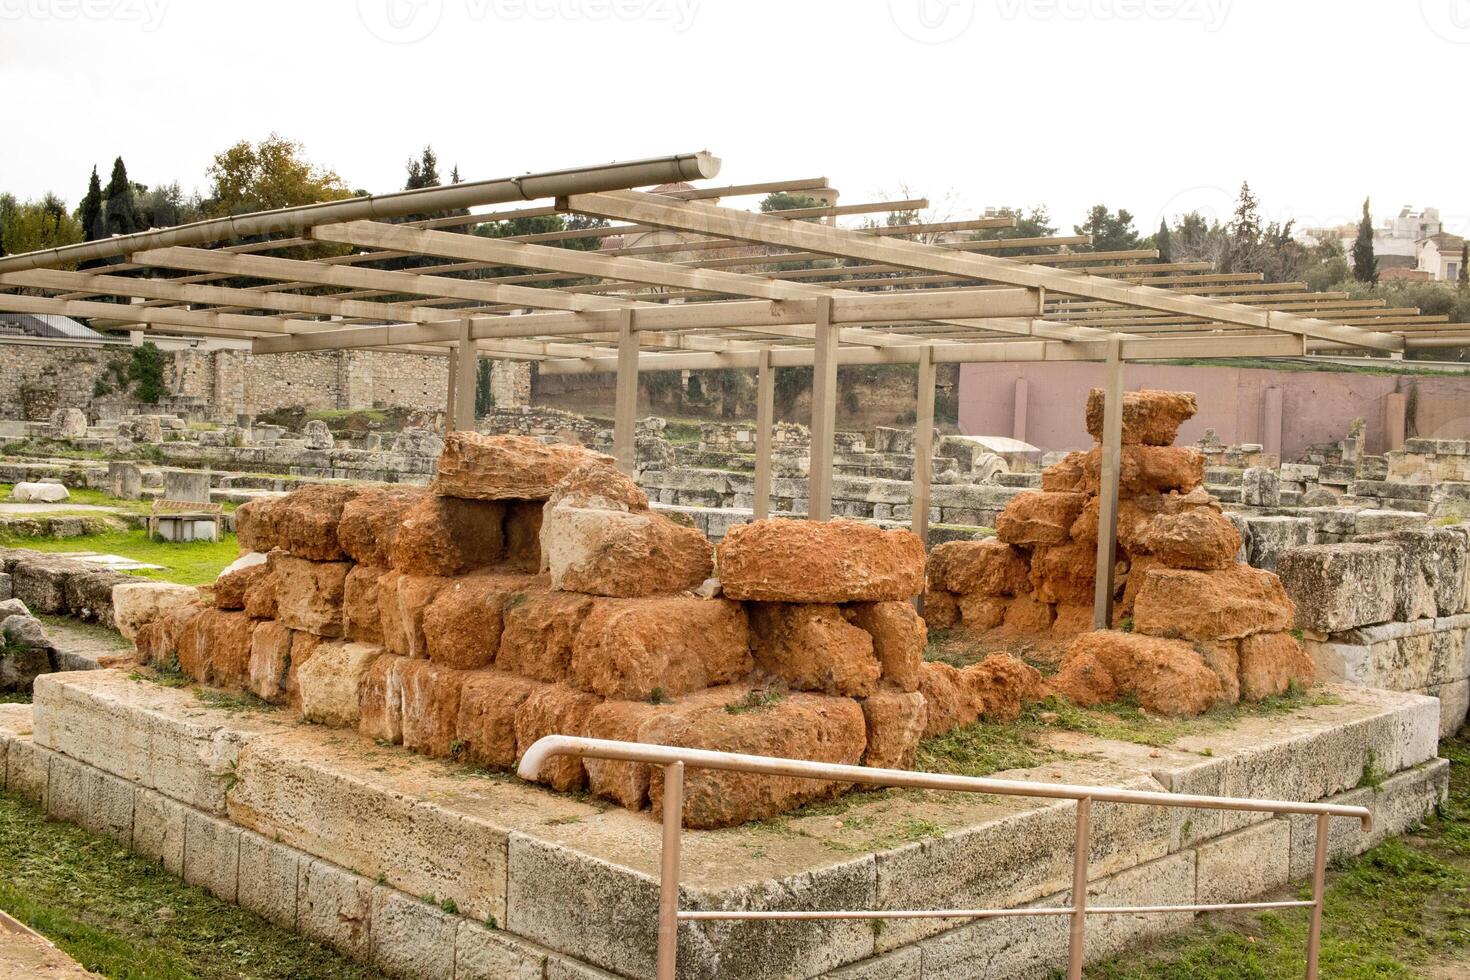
{"type": "Point", "coordinates": [25, 955]}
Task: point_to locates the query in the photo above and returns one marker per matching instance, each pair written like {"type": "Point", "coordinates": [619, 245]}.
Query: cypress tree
{"type": "Point", "coordinates": [118, 204]}
{"type": "Point", "coordinates": [89, 212]}
{"type": "Point", "coordinates": [423, 172]}
{"type": "Point", "coordinates": [1463, 280]}
{"type": "Point", "coordinates": [1165, 246]}
{"type": "Point", "coordinates": [1365, 265]}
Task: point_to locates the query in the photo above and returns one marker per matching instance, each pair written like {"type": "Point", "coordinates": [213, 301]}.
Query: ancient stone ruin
{"type": "Point", "coordinates": [1199, 627]}
{"type": "Point", "coordinates": [530, 591]}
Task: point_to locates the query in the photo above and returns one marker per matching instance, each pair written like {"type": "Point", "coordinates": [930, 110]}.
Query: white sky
{"type": "Point", "coordinates": [1158, 106]}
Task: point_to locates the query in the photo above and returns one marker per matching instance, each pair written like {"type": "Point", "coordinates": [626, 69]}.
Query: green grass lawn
{"type": "Point", "coordinates": [185, 562]}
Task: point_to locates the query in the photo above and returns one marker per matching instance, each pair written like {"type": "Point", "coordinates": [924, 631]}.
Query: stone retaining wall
{"type": "Point", "coordinates": [55, 585]}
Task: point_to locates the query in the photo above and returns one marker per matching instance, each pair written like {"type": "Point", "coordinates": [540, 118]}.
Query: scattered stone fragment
{"type": "Point", "coordinates": [1198, 538]}
{"type": "Point", "coordinates": [329, 682]}
{"type": "Point", "coordinates": [638, 649]}
{"type": "Point", "coordinates": [1166, 676]}
{"type": "Point", "coordinates": [370, 522]}
{"type": "Point", "coordinates": [1216, 605]}
{"type": "Point", "coordinates": [1149, 417]}
{"type": "Point", "coordinates": [947, 697]}
{"type": "Point", "coordinates": [778, 560]}
{"type": "Point", "coordinates": [999, 685]}
{"type": "Point", "coordinates": [1271, 664]}
{"type": "Point", "coordinates": [894, 722]}
{"type": "Point", "coordinates": [1039, 518]}
{"type": "Point", "coordinates": [309, 594]}
{"type": "Point", "coordinates": [506, 467]}
{"type": "Point", "coordinates": [899, 638]}
{"type": "Point", "coordinates": [812, 647]}
{"type": "Point", "coordinates": [622, 555]}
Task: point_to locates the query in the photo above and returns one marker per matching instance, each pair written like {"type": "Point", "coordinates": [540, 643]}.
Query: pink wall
{"type": "Point", "coordinates": [1315, 406]}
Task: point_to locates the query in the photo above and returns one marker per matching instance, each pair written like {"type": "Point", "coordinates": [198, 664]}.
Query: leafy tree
{"type": "Point", "coordinates": [1463, 280]}
{"type": "Point", "coordinates": [1110, 232]}
{"type": "Point", "coordinates": [578, 222]}
{"type": "Point", "coordinates": [1163, 243]}
{"type": "Point", "coordinates": [89, 211]}
{"type": "Point", "coordinates": [1035, 223]}
{"type": "Point", "coordinates": [36, 224]}
{"type": "Point", "coordinates": [423, 172]}
{"type": "Point", "coordinates": [270, 174]}
{"type": "Point", "coordinates": [119, 208]}
{"type": "Point", "coordinates": [145, 371]}
{"type": "Point", "coordinates": [1242, 233]}
{"type": "Point", "coordinates": [787, 201]}
{"type": "Point", "coordinates": [1365, 265]}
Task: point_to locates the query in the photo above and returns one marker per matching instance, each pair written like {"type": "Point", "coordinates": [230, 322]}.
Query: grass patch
{"type": "Point", "coordinates": [983, 748]}
{"type": "Point", "coordinates": [15, 697]}
{"type": "Point", "coordinates": [1400, 910]}
{"type": "Point", "coordinates": [91, 631]}
{"type": "Point", "coordinates": [232, 701]}
{"type": "Point", "coordinates": [755, 699]}
{"type": "Point", "coordinates": [185, 562]}
{"type": "Point", "coordinates": [124, 917]}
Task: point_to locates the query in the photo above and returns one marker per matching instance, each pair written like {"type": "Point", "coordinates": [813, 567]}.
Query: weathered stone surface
{"type": "Point", "coordinates": [1167, 676]}
{"type": "Point", "coordinates": [599, 486]}
{"type": "Point", "coordinates": [947, 698]}
{"type": "Point", "coordinates": [1067, 475]}
{"type": "Point", "coordinates": [268, 877]}
{"type": "Point", "coordinates": [1260, 487]}
{"type": "Point", "coordinates": [1271, 537]}
{"type": "Point", "coordinates": [523, 535]}
{"type": "Point", "coordinates": [620, 554]}
{"type": "Point", "coordinates": [309, 594]}
{"type": "Point", "coordinates": [260, 597]}
{"type": "Point", "coordinates": [1271, 663]}
{"type": "Point", "coordinates": [1340, 586]}
{"type": "Point", "coordinates": [631, 648]}
{"type": "Point", "coordinates": [899, 638]}
{"type": "Point", "coordinates": [402, 601]}
{"type": "Point", "coordinates": [989, 567]}
{"type": "Point", "coordinates": [941, 609]}
{"type": "Point", "coordinates": [555, 710]}
{"type": "Point", "coordinates": [539, 628]}
{"type": "Point", "coordinates": [1147, 469]}
{"type": "Point", "coordinates": [411, 937]}
{"type": "Point", "coordinates": [380, 700]}
{"type": "Point", "coordinates": [1064, 572]}
{"type": "Point", "coordinates": [230, 588]}
{"type": "Point", "coordinates": [303, 647]}
{"type": "Point", "coordinates": [462, 626]}
{"type": "Point", "coordinates": [38, 493]}
{"type": "Point", "coordinates": [813, 647]}
{"type": "Point", "coordinates": [622, 721]}
{"type": "Point", "coordinates": [431, 699]}
{"type": "Point", "coordinates": [1027, 614]}
{"type": "Point", "coordinates": [335, 907]}
{"type": "Point", "coordinates": [223, 649]}
{"type": "Point", "coordinates": [895, 722]}
{"type": "Point", "coordinates": [362, 615]}
{"type": "Point", "coordinates": [1068, 620]}
{"type": "Point", "coordinates": [777, 560]}
{"type": "Point", "coordinates": [1223, 657]}
{"type": "Point", "coordinates": [1150, 417]}
{"type": "Point", "coordinates": [137, 602]}
{"type": "Point", "coordinates": [448, 536]}
{"type": "Point", "coordinates": [506, 467]}
{"type": "Point", "coordinates": [1244, 864]}
{"type": "Point", "coordinates": [1431, 572]}
{"type": "Point", "coordinates": [270, 660]}
{"type": "Point", "coordinates": [983, 612]}
{"type": "Point", "coordinates": [999, 685]}
{"type": "Point", "coordinates": [798, 726]}
{"type": "Point", "coordinates": [1222, 604]}
{"type": "Point", "coordinates": [1044, 517]}
{"type": "Point", "coordinates": [40, 582]}
{"type": "Point", "coordinates": [329, 683]}
{"type": "Point", "coordinates": [370, 522]}
{"type": "Point", "coordinates": [1197, 538]}
{"type": "Point", "coordinates": [304, 522]}
{"type": "Point", "coordinates": [486, 725]}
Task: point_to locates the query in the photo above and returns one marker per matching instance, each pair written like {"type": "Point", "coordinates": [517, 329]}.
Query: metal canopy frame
{"type": "Point", "coordinates": [680, 282]}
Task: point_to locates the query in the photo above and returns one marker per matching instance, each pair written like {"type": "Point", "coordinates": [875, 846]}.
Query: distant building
{"type": "Point", "coordinates": [1440, 256]}
{"type": "Point", "coordinates": [47, 326]}
{"type": "Point", "coordinates": [1395, 242]}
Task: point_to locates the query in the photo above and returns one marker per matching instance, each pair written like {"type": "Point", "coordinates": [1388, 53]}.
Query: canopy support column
{"type": "Point", "coordinates": [924, 444]}
{"type": "Point", "coordinates": [1111, 463]}
{"type": "Point", "coordinates": [451, 402]}
{"type": "Point", "coordinates": [824, 414]}
{"type": "Point", "coordinates": [765, 405]}
{"type": "Point", "coordinates": [625, 400]}
{"type": "Point", "coordinates": [466, 370]}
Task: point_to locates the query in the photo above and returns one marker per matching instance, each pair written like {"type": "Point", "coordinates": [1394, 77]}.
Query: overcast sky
{"type": "Point", "coordinates": [1159, 106]}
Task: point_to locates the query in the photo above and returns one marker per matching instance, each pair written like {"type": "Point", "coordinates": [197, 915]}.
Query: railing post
{"type": "Point", "coordinates": [1077, 942]}
{"type": "Point", "coordinates": [1319, 889]}
{"type": "Point", "coordinates": [668, 877]}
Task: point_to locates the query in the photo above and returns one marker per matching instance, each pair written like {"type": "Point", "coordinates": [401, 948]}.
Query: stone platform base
{"type": "Point", "coordinates": [437, 871]}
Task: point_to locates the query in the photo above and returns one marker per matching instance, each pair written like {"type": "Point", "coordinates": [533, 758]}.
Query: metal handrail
{"type": "Point", "coordinates": [673, 760]}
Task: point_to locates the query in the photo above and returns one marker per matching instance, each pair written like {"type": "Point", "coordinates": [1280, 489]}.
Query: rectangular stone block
{"type": "Point", "coordinates": [335, 907]}
{"type": "Point", "coordinates": [268, 879]}
{"type": "Point", "coordinates": [1244, 864]}
{"type": "Point", "coordinates": [1398, 804]}
{"type": "Point", "coordinates": [1339, 586]}
{"type": "Point", "coordinates": [482, 953]}
{"type": "Point", "coordinates": [212, 855]}
{"type": "Point", "coordinates": [901, 964]}
{"type": "Point", "coordinates": [1454, 705]}
{"type": "Point", "coordinates": [410, 937]}
{"type": "Point", "coordinates": [152, 736]}
{"type": "Point", "coordinates": [158, 829]}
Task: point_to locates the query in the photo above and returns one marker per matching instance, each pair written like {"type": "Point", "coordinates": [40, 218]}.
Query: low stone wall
{"type": "Point", "coordinates": [55, 585]}
{"type": "Point", "coordinates": [1389, 610]}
